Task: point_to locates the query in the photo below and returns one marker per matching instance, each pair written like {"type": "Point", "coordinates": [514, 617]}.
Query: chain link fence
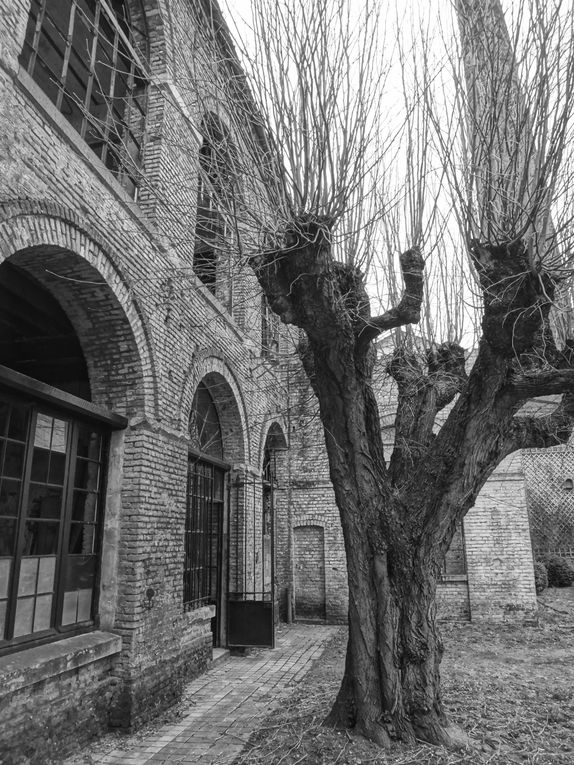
{"type": "Point", "coordinates": [549, 482]}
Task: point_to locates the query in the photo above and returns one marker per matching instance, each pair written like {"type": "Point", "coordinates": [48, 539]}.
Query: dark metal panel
{"type": "Point", "coordinates": [250, 623]}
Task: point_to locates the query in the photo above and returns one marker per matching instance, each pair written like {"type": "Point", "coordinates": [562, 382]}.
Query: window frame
{"type": "Point", "coordinates": [63, 556]}
{"type": "Point", "coordinates": [122, 157]}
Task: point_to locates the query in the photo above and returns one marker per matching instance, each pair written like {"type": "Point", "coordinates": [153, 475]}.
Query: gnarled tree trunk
{"type": "Point", "coordinates": [399, 516]}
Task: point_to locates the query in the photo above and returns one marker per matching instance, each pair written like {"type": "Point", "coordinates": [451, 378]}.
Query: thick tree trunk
{"type": "Point", "coordinates": [398, 517]}
{"type": "Point", "coordinates": [391, 686]}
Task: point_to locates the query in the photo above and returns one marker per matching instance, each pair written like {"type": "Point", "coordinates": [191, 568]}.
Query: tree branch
{"type": "Point", "coordinates": [408, 310]}
{"type": "Point", "coordinates": [541, 432]}
{"type": "Point", "coordinates": [422, 395]}
{"type": "Point", "coordinates": [529, 384]}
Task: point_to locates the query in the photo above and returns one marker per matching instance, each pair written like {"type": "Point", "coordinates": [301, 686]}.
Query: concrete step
{"type": "Point", "coordinates": [218, 656]}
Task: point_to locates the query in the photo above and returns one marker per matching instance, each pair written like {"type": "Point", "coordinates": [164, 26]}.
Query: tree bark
{"type": "Point", "coordinates": [398, 518]}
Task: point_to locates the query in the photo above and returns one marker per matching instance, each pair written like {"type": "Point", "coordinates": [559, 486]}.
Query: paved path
{"type": "Point", "coordinates": [227, 704]}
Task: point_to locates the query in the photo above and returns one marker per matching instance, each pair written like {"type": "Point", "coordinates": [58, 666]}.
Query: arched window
{"type": "Point", "coordinates": [82, 54]}
{"type": "Point", "coordinates": [202, 573]}
{"type": "Point", "coordinates": [204, 425]}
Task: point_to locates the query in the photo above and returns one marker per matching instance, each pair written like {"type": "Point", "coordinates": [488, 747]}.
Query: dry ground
{"type": "Point", "coordinates": [510, 686]}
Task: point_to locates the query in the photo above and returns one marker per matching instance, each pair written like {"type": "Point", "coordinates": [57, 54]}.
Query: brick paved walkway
{"type": "Point", "coordinates": [226, 706]}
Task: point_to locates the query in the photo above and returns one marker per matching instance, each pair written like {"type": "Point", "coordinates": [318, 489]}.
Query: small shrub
{"type": "Point", "coordinates": [540, 577]}
{"type": "Point", "coordinates": [560, 572]}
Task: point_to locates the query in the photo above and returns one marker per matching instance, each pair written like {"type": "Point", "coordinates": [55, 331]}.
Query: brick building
{"type": "Point", "coordinates": [149, 507]}
{"type": "Point", "coordinates": [141, 421]}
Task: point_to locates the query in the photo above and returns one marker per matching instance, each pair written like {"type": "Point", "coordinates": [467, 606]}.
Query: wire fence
{"type": "Point", "coordinates": [549, 482]}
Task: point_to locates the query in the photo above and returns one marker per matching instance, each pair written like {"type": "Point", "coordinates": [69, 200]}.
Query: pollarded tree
{"type": "Point", "coordinates": [502, 146]}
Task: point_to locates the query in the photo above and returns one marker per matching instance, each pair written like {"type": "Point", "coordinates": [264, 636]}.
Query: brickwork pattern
{"type": "Point", "coordinates": [498, 551]}
{"type": "Point", "coordinates": [309, 554]}
{"type": "Point", "coordinates": [227, 705]}
{"type": "Point", "coordinates": [150, 331]}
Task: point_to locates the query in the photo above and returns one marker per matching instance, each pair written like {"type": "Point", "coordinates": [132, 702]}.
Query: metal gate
{"type": "Point", "coordinates": [251, 575]}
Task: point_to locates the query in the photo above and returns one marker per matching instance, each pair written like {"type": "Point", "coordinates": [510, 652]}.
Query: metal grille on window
{"type": "Point", "coordinates": [203, 534]}
{"type": "Point", "coordinates": [81, 53]}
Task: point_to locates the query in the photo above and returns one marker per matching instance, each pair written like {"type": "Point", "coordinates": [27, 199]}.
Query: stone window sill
{"type": "Point", "coordinates": [34, 665]}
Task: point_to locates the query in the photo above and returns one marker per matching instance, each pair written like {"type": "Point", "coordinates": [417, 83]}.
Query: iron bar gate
{"type": "Point", "coordinates": [251, 569]}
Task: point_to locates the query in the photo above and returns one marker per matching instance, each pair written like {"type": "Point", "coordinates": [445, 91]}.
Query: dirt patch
{"type": "Point", "coordinates": [510, 686]}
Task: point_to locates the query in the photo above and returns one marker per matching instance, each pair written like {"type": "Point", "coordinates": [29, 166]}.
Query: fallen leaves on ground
{"type": "Point", "coordinates": [509, 685]}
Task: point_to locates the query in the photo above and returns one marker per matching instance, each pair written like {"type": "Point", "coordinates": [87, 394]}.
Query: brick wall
{"type": "Point", "coordinates": [150, 332]}
{"type": "Point", "coordinates": [55, 699]}
{"type": "Point", "coordinates": [498, 550]}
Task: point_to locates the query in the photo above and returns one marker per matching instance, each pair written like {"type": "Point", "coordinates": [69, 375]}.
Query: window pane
{"type": "Point", "coordinates": [70, 608]}
{"type": "Point", "coordinates": [46, 572]}
{"type": "Point", "coordinates": [28, 576]}
{"type": "Point", "coordinates": [89, 443]}
{"type": "Point", "coordinates": [43, 613]}
{"type": "Point", "coordinates": [44, 501]}
{"type": "Point", "coordinates": [59, 431]}
{"type": "Point", "coordinates": [14, 460]}
{"type": "Point", "coordinates": [40, 461]}
{"type": "Point", "coordinates": [3, 605]}
{"type": "Point", "coordinates": [80, 572]}
{"type": "Point", "coordinates": [18, 428]}
{"type": "Point", "coordinates": [43, 431]}
{"type": "Point", "coordinates": [5, 567]}
{"type": "Point", "coordinates": [24, 615]}
{"type": "Point", "coordinates": [84, 605]}
{"type": "Point", "coordinates": [41, 538]}
{"type": "Point", "coordinates": [218, 484]}
{"type": "Point", "coordinates": [84, 507]}
{"type": "Point", "coordinates": [82, 539]}
{"type": "Point", "coordinates": [86, 475]}
{"type": "Point", "coordinates": [57, 465]}
{"type": "Point", "coordinates": [9, 497]}
{"type": "Point", "coordinates": [4, 417]}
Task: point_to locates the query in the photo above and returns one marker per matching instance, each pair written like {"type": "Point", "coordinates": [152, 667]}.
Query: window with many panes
{"type": "Point", "coordinates": [205, 507]}
{"type": "Point", "coordinates": [51, 475]}
{"type": "Point", "coordinates": [82, 54]}
{"type": "Point", "coordinates": [217, 194]}
{"type": "Point", "coordinates": [203, 534]}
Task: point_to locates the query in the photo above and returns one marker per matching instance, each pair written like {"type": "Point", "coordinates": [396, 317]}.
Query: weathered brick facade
{"type": "Point", "coordinates": [150, 332]}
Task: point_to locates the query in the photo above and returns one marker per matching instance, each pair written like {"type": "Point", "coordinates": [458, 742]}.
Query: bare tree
{"type": "Point", "coordinates": [330, 179]}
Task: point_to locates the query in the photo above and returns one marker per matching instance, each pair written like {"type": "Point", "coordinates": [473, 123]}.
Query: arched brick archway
{"type": "Point", "coordinates": [214, 371]}
{"type": "Point", "coordinates": [77, 271]}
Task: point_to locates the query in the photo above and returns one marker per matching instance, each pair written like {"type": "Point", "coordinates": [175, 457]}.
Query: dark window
{"type": "Point", "coordinates": [51, 470]}
{"type": "Point", "coordinates": [205, 509]}
{"type": "Point", "coordinates": [215, 195]}
{"type": "Point", "coordinates": [203, 534]}
{"type": "Point", "coordinates": [204, 425]}
{"type": "Point", "coordinates": [269, 330]}
{"type": "Point", "coordinates": [81, 53]}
